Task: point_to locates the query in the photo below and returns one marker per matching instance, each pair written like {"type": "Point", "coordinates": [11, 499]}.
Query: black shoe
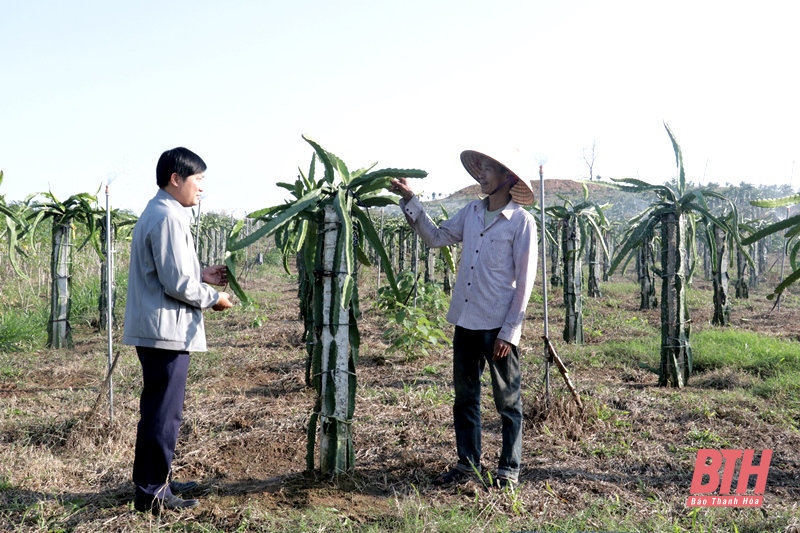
{"type": "Point", "coordinates": [156, 505]}
{"type": "Point", "coordinates": [453, 477]}
{"type": "Point", "coordinates": [182, 487]}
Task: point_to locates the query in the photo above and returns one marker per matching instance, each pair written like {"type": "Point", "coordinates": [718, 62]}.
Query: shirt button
{"type": "Point", "coordinates": [476, 251]}
{"type": "Point", "coordinates": [472, 268]}
{"type": "Point", "coordinates": [481, 234]}
{"type": "Point", "coordinates": [466, 300]}
{"type": "Point", "coordinates": [469, 283]}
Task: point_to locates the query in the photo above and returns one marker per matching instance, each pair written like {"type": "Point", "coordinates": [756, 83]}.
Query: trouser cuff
{"type": "Point", "coordinates": [508, 473]}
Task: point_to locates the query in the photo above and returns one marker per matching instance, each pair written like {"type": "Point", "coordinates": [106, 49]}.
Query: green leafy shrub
{"type": "Point", "coordinates": [413, 329]}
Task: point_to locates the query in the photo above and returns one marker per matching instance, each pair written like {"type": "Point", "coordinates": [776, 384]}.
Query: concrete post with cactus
{"type": "Point", "coordinates": [336, 372]}
{"type": "Point", "coordinates": [571, 245]}
{"type": "Point", "coordinates": [645, 262]}
{"type": "Point", "coordinates": [669, 211]}
{"type": "Point", "coordinates": [59, 331]}
{"type": "Point", "coordinates": [329, 223]}
{"type": "Point", "coordinates": [722, 308]}
{"type": "Point", "coordinates": [676, 355]}
{"type": "Point", "coordinates": [555, 255]}
{"type": "Point", "coordinates": [595, 267]}
{"type": "Point", "coordinates": [106, 239]}
{"type": "Point", "coordinates": [575, 222]}
{"type": "Point", "coordinates": [79, 209]}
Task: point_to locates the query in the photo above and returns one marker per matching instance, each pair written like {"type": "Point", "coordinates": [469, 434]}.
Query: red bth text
{"type": "Point", "coordinates": [720, 467]}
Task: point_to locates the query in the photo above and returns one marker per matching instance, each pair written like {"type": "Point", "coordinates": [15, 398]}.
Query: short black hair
{"type": "Point", "coordinates": [180, 161]}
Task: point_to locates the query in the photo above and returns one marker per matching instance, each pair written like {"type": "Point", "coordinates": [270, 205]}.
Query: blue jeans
{"type": "Point", "coordinates": [472, 349]}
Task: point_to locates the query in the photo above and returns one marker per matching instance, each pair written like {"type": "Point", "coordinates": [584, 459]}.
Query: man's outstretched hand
{"type": "Point", "coordinates": [400, 186]}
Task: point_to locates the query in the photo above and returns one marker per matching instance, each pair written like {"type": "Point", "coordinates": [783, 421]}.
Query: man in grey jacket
{"type": "Point", "coordinates": [163, 318]}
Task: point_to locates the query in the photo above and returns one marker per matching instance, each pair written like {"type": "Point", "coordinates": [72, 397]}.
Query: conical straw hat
{"type": "Point", "coordinates": [521, 191]}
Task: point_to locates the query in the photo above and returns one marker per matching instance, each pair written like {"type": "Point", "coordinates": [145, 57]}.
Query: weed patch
{"type": "Point", "coordinates": [744, 350]}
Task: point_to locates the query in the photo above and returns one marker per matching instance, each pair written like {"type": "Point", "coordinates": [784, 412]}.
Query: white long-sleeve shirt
{"type": "Point", "coordinates": [497, 266]}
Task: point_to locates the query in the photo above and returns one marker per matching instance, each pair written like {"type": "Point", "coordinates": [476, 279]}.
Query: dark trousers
{"type": "Point", "coordinates": [164, 375]}
{"type": "Point", "coordinates": [472, 349]}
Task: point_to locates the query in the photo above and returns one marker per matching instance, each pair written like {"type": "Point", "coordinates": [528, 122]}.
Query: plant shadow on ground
{"type": "Point", "coordinates": [624, 464]}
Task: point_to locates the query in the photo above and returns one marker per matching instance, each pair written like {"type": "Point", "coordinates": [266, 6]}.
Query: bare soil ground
{"type": "Point", "coordinates": [629, 456]}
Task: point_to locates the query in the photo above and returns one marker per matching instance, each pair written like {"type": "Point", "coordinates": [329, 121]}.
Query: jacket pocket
{"type": "Point", "coordinates": [170, 319]}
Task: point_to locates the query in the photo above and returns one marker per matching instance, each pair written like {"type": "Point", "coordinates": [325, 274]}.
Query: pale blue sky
{"type": "Point", "coordinates": [92, 89]}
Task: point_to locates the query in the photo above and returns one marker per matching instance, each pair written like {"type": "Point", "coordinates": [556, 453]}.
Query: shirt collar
{"type": "Point", "coordinates": [507, 211]}
{"type": "Point", "coordinates": [173, 203]}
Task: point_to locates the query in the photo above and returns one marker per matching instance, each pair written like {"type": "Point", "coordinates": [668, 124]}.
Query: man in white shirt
{"type": "Point", "coordinates": [495, 278]}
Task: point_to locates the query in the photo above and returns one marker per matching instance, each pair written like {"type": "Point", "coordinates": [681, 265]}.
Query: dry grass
{"type": "Point", "coordinates": [624, 463]}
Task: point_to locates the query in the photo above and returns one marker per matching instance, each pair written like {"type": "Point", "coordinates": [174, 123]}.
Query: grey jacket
{"type": "Point", "coordinates": [165, 288]}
